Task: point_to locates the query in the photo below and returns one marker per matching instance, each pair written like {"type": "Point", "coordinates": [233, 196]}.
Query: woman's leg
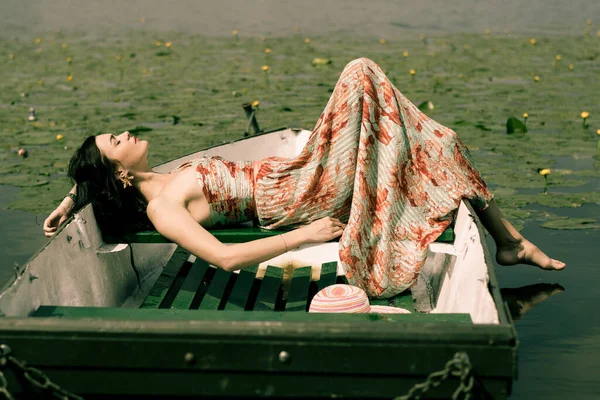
{"type": "Point", "coordinates": [512, 247]}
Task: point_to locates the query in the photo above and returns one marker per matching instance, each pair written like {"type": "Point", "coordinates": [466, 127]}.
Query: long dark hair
{"type": "Point", "coordinates": [118, 210]}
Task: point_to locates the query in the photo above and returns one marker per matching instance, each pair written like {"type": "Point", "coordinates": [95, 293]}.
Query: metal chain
{"type": "Point", "coordinates": [4, 393]}
{"type": "Point", "coordinates": [33, 375]}
{"type": "Point", "coordinates": [459, 366]}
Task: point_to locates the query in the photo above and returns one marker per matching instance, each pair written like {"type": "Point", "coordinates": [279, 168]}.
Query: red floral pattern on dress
{"type": "Point", "coordinates": [228, 187]}
{"type": "Point", "coordinates": [375, 161]}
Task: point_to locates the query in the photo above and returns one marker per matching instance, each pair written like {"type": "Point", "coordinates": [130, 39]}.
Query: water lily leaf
{"type": "Point", "coordinates": [129, 115]}
{"type": "Point", "coordinates": [572, 223]}
{"type": "Point", "coordinates": [481, 126]}
{"type": "Point", "coordinates": [139, 129]}
{"type": "Point", "coordinates": [514, 125]}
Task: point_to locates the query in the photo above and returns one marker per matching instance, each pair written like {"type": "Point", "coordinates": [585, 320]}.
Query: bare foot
{"type": "Point", "coordinates": [525, 252]}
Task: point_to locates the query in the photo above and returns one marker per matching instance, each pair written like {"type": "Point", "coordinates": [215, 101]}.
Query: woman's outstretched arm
{"type": "Point", "coordinates": [174, 222]}
{"type": "Point", "coordinates": [60, 214]}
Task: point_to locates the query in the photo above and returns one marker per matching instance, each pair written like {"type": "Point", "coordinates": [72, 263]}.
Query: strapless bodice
{"type": "Point", "coordinates": [228, 187]}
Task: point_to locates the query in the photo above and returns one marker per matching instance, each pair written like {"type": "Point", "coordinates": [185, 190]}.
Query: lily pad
{"type": "Point", "coordinates": [572, 223]}
{"type": "Point", "coordinates": [514, 125]}
{"type": "Point", "coordinates": [139, 129]}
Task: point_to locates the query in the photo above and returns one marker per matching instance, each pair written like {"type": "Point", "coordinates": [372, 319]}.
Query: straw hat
{"type": "Point", "coordinates": [348, 299]}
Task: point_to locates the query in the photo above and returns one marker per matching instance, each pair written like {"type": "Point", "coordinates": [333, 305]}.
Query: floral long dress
{"type": "Point", "coordinates": [375, 161]}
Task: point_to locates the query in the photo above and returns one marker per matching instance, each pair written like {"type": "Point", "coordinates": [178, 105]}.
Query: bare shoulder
{"type": "Point", "coordinates": [182, 187]}
{"type": "Point", "coordinates": [180, 191]}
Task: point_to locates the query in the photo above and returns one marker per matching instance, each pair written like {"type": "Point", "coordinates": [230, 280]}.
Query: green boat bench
{"type": "Point", "coordinates": [240, 234]}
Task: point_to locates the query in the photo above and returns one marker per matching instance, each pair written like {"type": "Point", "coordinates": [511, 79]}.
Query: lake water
{"type": "Point", "coordinates": [559, 353]}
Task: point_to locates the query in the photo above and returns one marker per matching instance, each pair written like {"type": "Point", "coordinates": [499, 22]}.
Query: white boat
{"type": "Point", "coordinates": [174, 325]}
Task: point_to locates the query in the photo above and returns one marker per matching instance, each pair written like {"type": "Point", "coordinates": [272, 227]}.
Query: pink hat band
{"type": "Point", "coordinates": [347, 299]}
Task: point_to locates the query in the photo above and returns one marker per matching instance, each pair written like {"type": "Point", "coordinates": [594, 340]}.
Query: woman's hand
{"type": "Point", "coordinates": [55, 220]}
{"type": "Point", "coordinates": [323, 230]}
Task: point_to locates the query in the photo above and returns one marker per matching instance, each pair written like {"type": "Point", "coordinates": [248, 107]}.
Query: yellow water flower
{"type": "Point", "coordinates": [584, 116]}
{"type": "Point", "coordinates": [558, 57]}
{"type": "Point", "coordinates": [532, 40]}
{"type": "Point", "coordinates": [525, 115]}
{"type": "Point", "coordinates": [405, 54]}
{"type": "Point", "coordinates": [69, 60]}
{"type": "Point", "coordinates": [59, 137]}
{"type": "Point", "coordinates": [412, 72]}
{"type": "Point", "coordinates": [307, 40]}
{"type": "Point", "coordinates": [598, 132]}
{"type": "Point", "coordinates": [64, 45]}
{"type": "Point", "coordinates": [255, 103]}
{"type": "Point", "coordinates": [571, 67]}
{"type": "Point", "coordinates": [118, 58]}
{"type": "Point", "coordinates": [11, 56]}
{"type": "Point", "coordinates": [267, 50]}
{"type": "Point", "coordinates": [41, 83]}
{"type": "Point", "coordinates": [460, 76]}
{"type": "Point", "coordinates": [486, 31]}
{"type": "Point", "coordinates": [38, 40]}
{"type": "Point", "coordinates": [536, 78]}
{"type": "Point", "coordinates": [544, 171]}
{"type": "Point", "coordinates": [158, 43]}
{"type": "Point", "coordinates": [168, 45]}
{"type": "Point", "coordinates": [381, 41]}
{"type": "Point", "coordinates": [70, 78]}
{"type": "Point", "coordinates": [265, 68]}
{"type": "Point", "coordinates": [235, 32]}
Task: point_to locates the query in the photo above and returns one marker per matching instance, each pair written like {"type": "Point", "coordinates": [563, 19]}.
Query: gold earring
{"type": "Point", "coordinates": [126, 181]}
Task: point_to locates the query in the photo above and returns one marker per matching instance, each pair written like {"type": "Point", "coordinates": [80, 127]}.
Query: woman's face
{"type": "Point", "coordinates": [124, 150]}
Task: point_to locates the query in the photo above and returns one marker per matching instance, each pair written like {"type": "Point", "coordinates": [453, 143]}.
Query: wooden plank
{"type": "Point", "coordinates": [232, 235]}
{"type": "Point", "coordinates": [216, 290]}
{"type": "Point", "coordinates": [402, 300]}
{"type": "Point", "coordinates": [165, 314]}
{"type": "Point", "coordinates": [447, 236]}
{"type": "Point", "coordinates": [241, 289]}
{"type": "Point", "coordinates": [328, 275]}
{"type": "Point", "coordinates": [190, 286]}
{"type": "Point", "coordinates": [167, 277]}
{"type": "Point", "coordinates": [298, 293]}
{"type": "Point", "coordinates": [229, 235]}
{"type": "Point", "coordinates": [269, 289]}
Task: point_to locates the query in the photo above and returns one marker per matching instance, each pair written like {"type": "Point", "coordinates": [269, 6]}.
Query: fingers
{"type": "Point", "coordinates": [50, 231]}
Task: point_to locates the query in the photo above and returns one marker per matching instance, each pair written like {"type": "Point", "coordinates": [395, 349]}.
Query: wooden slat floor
{"type": "Point", "coordinates": [183, 285]}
